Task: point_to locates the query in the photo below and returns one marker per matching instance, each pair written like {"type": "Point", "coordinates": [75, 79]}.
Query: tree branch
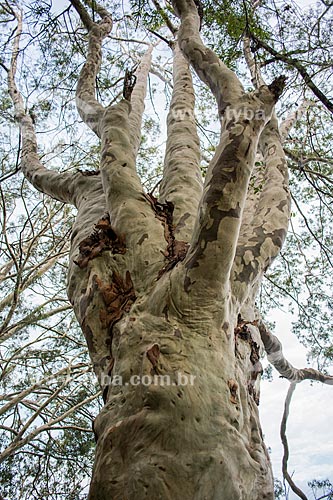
{"type": "Point", "coordinates": [83, 13]}
{"type": "Point", "coordinates": [301, 70]}
{"type": "Point", "coordinates": [19, 443]}
{"type": "Point", "coordinates": [58, 186]}
{"type": "Point", "coordinates": [273, 348]}
{"type": "Point", "coordinates": [165, 17]}
{"type": "Point", "coordinates": [132, 214]}
{"type": "Point", "coordinates": [226, 183]}
{"type": "Point", "coordinates": [182, 181]}
{"type": "Point", "coordinates": [256, 76]}
{"type": "Point", "coordinates": [223, 82]}
{"type": "Point", "coordinates": [284, 440]}
{"type": "Point", "coordinates": [89, 109]}
{"type": "Point", "coordinates": [262, 240]}
{"type": "Point", "coordinates": [32, 319]}
{"type": "Point", "coordinates": [20, 397]}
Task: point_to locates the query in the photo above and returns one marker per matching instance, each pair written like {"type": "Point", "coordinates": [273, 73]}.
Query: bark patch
{"type": "Point", "coordinates": [242, 332]}
{"type": "Point", "coordinates": [153, 353]}
{"type": "Point", "coordinates": [233, 388]}
{"type": "Point", "coordinates": [118, 298]}
{"type": "Point", "coordinates": [250, 269]}
{"type": "Point", "coordinates": [103, 238]}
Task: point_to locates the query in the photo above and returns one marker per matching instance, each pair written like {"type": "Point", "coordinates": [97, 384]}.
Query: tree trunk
{"type": "Point", "coordinates": [183, 422]}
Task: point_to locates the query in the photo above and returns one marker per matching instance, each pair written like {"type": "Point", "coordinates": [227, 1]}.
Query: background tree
{"type": "Point", "coordinates": [157, 288]}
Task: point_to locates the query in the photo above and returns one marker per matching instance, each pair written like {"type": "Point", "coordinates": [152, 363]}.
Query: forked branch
{"type": "Point", "coordinates": [244, 116]}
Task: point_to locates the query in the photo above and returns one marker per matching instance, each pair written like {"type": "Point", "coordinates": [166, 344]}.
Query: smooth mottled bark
{"type": "Point", "coordinates": [167, 287]}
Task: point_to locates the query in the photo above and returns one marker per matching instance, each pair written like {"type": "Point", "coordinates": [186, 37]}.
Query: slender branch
{"type": "Point", "coordinates": [182, 157]}
{"type": "Point", "coordinates": [300, 68]}
{"type": "Point", "coordinates": [83, 13]}
{"type": "Point", "coordinates": [20, 397]}
{"type": "Point", "coordinates": [273, 348]}
{"type": "Point", "coordinates": [41, 269]}
{"type": "Point", "coordinates": [254, 68]}
{"type": "Point", "coordinates": [31, 319]}
{"type": "Point", "coordinates": [13, 447]}
{"type": "Point", "coordinates": [138, 99]}
{"type": "Point", "coordinates": [165, 17]}
{"type": "Point", "coordinates": [303, 160]}
{"type": "Point", "coordinates": [58, 186]}
{"type": "Point", "coordinates": [161, 37]}
{"type": "Point", "coordinates": [284, 440]}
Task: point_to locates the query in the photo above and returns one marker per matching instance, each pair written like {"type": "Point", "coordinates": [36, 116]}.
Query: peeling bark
{"type": "Point", "coordinates": [103, 238]}
{"type": "Point", "coordinates": [176, 250]}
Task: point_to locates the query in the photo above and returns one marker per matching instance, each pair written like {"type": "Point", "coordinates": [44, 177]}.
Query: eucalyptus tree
{"type": "Point", "coordinates": [165, 287]}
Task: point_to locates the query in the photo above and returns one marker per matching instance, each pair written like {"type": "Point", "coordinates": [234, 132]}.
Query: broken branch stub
{"type": "Point", "coordinates": [129, 83]}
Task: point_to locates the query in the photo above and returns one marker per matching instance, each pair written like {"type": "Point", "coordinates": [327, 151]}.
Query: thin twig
{"type": "Point", "coordinates": [284, 441]}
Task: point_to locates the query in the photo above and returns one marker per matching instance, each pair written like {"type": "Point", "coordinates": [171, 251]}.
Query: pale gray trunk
{"type": "Point", "coordinates": [200, 441]}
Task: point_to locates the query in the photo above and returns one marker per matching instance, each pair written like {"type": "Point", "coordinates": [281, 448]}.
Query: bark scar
{"type": "Point", "coordinates": [242, 332]}
{"type": "Point", "coordinates": [233, 388]}
{"type": "Point", "coordinates": [103, 238]}
{"type": "Point", "coordinates": [153, 353]}
{"type": "Point", "coordinates": [118, 298]}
